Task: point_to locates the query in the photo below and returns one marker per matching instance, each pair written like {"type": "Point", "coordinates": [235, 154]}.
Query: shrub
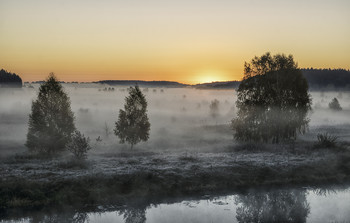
{"type": "Point", "coordinates": [326, 140]}
{"type": "Point", "coordinates": [79, 145]}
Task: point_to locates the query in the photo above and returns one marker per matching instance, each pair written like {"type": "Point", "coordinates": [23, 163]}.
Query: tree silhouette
{"type": "Point", "coordinates": [214, 108]}
{"type": "Point", "coordinates": [51, 121]}
{"type": "Point", "coordinates": [329, 79]}
{"type": "Point", "coordinates": [79, 145]}
{"type": "Point", "coordinates": [334, 105]}
{"type": "Point", "coordinates": [8, 79]}
{"type": "Point", "coordinates": [133, 125]}
{"type": "Point", "coordinates": [273, 100]}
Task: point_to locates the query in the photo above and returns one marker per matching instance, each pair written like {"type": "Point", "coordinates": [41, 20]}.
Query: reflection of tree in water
{"type": "Point", "coordinates": [131, 214]}
{"type": "Point", "coordinates": [276, 206]}
{"type": "Point", "coordinates": [134, 215]}
{"type": "Point", "coordinates": [73, 217]}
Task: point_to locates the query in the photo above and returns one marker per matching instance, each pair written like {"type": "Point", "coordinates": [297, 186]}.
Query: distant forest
{"type": "Point", "coordinates": [318, 79]}
{"type": "Point", "coordinates": [8, 79]}
{"type": "Point", "coordinates": [218, 85]}
{"type": "Point", "coordinates": [327, 79]}
{"type": "Point", "coordinates": [171, 84]}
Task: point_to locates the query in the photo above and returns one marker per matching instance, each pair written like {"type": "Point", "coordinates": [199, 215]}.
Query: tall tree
{"type": "Point", "coordinates": [273, 100]}
{"type": "Point", "coordinates": [51, 121]}
{"type": "Point", "coordinates": [133, 125]}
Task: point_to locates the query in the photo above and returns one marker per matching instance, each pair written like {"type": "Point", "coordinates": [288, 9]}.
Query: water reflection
{"type": "Point", "coordinates": [134, 215]}
{"type": "Point", "coordinates": [55, 216]}
{"type": "Point", "coordinates": [275, 206]}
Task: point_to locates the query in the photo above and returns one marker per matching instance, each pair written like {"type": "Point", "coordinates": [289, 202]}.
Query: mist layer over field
{"type": "Point", "coordinates": [180, 118]}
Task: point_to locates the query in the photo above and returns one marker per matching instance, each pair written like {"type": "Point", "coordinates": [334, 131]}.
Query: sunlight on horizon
{"type": "Point", "coordinates": [167, 40]}
{"type": "Point", "coordinates": [210, 76]}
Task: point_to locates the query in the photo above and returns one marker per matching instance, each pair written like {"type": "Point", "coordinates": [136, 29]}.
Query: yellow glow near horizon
{"type": "Point", "coordinates": [210, 76]}
{"type": "Point", "coordinates": [188, 41]}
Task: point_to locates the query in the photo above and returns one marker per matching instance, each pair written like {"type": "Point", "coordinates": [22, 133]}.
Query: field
{"type": "Point", "coordinates": [189, 151]}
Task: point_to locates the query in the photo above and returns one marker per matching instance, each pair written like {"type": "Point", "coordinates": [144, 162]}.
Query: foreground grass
{"type": "Point", "coordinates": [77, 184]}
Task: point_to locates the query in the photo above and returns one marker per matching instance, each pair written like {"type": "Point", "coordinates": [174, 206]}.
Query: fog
{"type": "Point", "coordinates": [180, 117]}
{"type": "Point", "coordinates": [190, 152]}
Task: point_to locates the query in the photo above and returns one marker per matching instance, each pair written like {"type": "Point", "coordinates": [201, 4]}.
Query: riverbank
{"type": "Point", "coordinates": [117, 178]}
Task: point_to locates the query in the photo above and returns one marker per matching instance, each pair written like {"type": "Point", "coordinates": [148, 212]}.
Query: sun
{"type": "Point", "coordinates": [210, 76]}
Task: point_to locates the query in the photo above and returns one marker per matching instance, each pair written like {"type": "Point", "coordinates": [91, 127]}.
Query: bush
{"type": "Point", "coordinates": [79, 145]}
{"type": "Point", "coordinates": [326, 140]}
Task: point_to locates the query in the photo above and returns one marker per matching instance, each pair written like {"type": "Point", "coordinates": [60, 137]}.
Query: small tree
{"type": "Point", "coordinates": [106, 130]}
{"type": "Point", "coordinates": [79, 145]}
{"type": "Point", "coordinates": [273, 100]}
{"type": "Point", "coordinates": [51, 121]}
{"type": "Point", "coordinates": [214, 108]}
{"type": "Point", "coordinates": [133, 125]}
{"type": "Point", "coordinates": [334, 105]}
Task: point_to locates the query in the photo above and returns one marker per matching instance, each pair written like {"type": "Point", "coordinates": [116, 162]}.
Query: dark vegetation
{"type": "Point", "coordinates": [51, 122]}
{"type": "Point", "coordinates": [108, 189]}
{"type": "Point", "coordinates": [318, 79]}
{"type": "Point", "coordinates": [218, 85]}
{"type": "Point", "coordinates": [329, 79]}
{"type": "Point", "coordinates": [8, 79]}
{"type": "Point", "coordinates": [326, 140]}
{"type": "Point", "coordinates": [133, 125]}
{"type": "Point", "coordinates": [273, 100]}
{"type": "Point", "coordinates": [128, 83]}
{"type": "Point", "coordinates": [334, 105]}
{"type": "Point", "coordinates": [79, 145]}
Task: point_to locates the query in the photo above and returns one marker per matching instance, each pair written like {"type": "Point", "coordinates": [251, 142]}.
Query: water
{"type": "Point", "coordinates": [277, 205]}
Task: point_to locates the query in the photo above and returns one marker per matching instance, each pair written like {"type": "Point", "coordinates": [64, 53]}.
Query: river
{"type": "Point", "coordinates": [273, 205]}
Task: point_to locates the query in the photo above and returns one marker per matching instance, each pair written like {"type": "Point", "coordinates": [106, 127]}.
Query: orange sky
{"type": "Point", "coordinates": [187, 41]}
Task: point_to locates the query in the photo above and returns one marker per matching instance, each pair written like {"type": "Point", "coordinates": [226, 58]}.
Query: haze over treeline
{"type": "Point", "coordinates": [318, 79]}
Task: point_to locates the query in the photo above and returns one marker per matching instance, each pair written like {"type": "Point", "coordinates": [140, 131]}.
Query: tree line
{"type": "Point", "coordinates": [273, 104]}
{"type": "Point", "coordinates": [52, 129]}
{"type": "Point", "coordinates": [327, 78]}
{"type": "Point", "coordinates": [8, 79]}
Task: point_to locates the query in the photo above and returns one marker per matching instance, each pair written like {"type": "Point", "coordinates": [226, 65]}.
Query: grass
{"type": "Point", "coordinates": [97, 189]}
{"type": "Point", "coordinates": [326, 140]}
{"type": "Point", "coordinates": [94, 189]}
{"type": "Point", "coordinates": [188, 158]}
{"type": "Point", "coordinates": [158, 161]}
{"type": "Point", "coordinates": [73, 164]}
{"type": "Point", "coordinates": [22, 158]}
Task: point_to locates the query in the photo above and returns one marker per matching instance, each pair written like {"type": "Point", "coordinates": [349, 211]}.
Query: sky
{"type": "Point", "coordinates": [184, 40]}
